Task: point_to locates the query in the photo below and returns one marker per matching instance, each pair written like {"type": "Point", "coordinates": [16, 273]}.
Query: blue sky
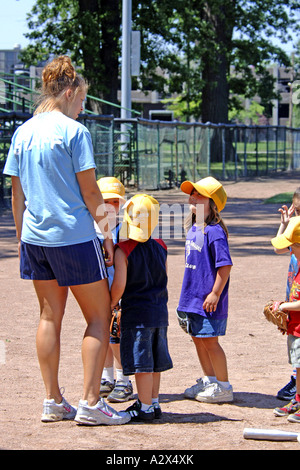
{"type": "Point", "coordinates": [13, 23]}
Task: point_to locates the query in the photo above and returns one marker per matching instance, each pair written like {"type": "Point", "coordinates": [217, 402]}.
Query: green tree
{"type": "Point", "coordinates": [189, 47]}
{"type": "Point", "coordinates": [217, 37]}
{"type": "Point", "coordinates": [247, 115]}
{"type": "Point", "coordinates": [87, 30]}
{"type": "Point", "coordinates": [296, 87]}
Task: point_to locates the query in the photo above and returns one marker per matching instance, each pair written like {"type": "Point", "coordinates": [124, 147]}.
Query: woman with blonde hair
{"type": "Point", "coordinates": [55, 201]}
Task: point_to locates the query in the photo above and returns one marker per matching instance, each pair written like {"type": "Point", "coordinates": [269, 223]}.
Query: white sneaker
{"type": "Point", "coordinates": [101, 413]}
{"type": "Point", "coordinates": [192, 391]}
{"type": "Point", "coordinates": [215, 393]}
{"type": "Point", "coordinates": [53, 411]}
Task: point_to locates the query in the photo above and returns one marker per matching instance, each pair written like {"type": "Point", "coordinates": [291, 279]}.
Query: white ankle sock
{"type": "Point", "coordinates": [121, 377]}
{"type": "Point", "coordinates": [145, 407]}
{"type": "Point", "coordinates": [209, 379]}
{"type": "Point", "coordinates": [224, 384]}
{"type": "Point", "coordinates": [108, 374]}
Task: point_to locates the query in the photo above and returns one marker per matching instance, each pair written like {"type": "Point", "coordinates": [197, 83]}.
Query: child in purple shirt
{"type": "Point", "coordinates": [203, 303]}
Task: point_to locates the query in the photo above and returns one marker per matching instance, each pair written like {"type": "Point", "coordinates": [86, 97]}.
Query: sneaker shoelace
{"type": "Point", "coordinates": [122, 386]}
{"type": "Point", "coordinates": [107, 408]}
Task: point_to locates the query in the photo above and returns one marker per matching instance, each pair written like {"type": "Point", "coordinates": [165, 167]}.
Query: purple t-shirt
{"type": "Point", "coordinates": [205, 253]}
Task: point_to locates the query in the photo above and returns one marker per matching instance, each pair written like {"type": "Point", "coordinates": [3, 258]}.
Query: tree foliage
{"type": "Point", "coordinates": [88, 31]}
{"type": "Point", "coordinates": [205, 51]}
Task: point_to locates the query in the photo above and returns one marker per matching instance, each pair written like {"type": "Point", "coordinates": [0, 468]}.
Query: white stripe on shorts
{"type": "Point", "coordinates": [100, 256]}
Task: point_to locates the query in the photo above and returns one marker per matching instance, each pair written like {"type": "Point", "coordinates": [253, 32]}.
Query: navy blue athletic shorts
{"type": "Point", "coordinates": [70, 265]}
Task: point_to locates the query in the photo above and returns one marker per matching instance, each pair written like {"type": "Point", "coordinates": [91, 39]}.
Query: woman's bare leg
{"type": "Point", "coordinates": [52, 299]}
{"type": "Point", "coordinates": [94, 301]}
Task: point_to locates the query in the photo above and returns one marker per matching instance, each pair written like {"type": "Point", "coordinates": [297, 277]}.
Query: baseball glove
{"type": "Point", "coordinates": [115, 324]}
{"type": "Point", "coordinates": [183, 321]}
{"type": "Point", "coordinates": [276, 316]}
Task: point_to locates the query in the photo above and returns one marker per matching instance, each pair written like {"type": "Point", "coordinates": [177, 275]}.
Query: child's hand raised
{"type": "Point", "coordinates": [286, 213]}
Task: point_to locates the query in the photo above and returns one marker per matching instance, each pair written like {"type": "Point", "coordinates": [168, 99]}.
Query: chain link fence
{"type": "Point", "coordinates": [169, 153]}
{"type": "Point", "coordinates": [151, 155]}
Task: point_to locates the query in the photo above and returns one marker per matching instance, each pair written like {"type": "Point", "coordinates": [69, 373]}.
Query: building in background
{"type": "Point", "coordinates": [17, 83]}
{"type": "Point", "coordinates": [13, 97]}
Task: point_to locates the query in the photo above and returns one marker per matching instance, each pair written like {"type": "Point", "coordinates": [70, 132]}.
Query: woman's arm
{"type": "Point", "coordinates": [18, 205]}
{"type": "Point", "coordinates": [94, 201]}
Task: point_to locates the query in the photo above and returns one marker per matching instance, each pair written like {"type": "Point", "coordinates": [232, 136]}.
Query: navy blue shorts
{"type": "Point", "coordinates": [144, 350]}
{"type": "Point", "coordinates": [70, 265]}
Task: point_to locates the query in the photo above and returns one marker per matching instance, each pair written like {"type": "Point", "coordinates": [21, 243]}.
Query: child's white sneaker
{"type": "Point", "coordinates": [200, 384]}
{"type": "Point", "coordinates": [101, 413]}
{"type": "Point", "coordinates": [53, 411]}
{"type": "Point", "coordinates": [215, 393]}
{"type": "Point", "coordinates": [192, 391]}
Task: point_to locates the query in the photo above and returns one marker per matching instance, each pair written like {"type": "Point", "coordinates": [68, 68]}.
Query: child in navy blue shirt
{"type": "Point", "coordinates": [203, 303]}
{"type": "Point", "coordinates": [140, 281]}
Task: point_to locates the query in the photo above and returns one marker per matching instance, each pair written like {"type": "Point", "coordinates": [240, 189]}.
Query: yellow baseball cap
{"type": "Point", "coordinates": [290, 236]}
{"type": "Point", "coordinates": [111, 188]}
{"type": "Point", "coordinates": [141, 214]}
{"type": "Point", "coordinates": [208, 187]}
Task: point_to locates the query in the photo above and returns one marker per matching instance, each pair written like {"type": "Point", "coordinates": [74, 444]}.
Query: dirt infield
{"type": "Point", "coordinates": [256, 351]}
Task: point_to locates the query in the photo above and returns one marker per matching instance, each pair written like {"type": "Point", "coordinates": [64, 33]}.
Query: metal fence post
{"type": "Point", "coordinates": [256, 151]}
{"type": "Point", "coordinates": [276, 154]}
{"type": "Point", "coordinates": [245, 152]}
{"type": "Point", "coordinates": [208, 149]}
{"type": "Point", "coordinates": [223, 152]}
{"type": "Point", "coordinates": [158, 157]}
{"type": "Point", "coordinates": [194, 152]}
{"type": "Point", "coordinates": [113, 146]}
{"type": "Point", "coordinates": [235, 154]}
{"type": "Point", "coordinates": [176, 154]}
{"type": "Point", "coordinates": [137, 156]}
{"type": "Point", "coordinates": [284, 147]}
{"type": "Point", "coordinates": [267, 163]}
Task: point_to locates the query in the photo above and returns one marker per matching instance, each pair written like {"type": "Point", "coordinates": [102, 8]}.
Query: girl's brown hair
{"type": "Point", "coordinates": [213, 218]}
{"type": "Point", "coordinates": [57, 77]}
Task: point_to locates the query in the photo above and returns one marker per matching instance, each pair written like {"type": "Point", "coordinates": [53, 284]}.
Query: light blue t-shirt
{"type": "Point", "coordinates": [46, 153]}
